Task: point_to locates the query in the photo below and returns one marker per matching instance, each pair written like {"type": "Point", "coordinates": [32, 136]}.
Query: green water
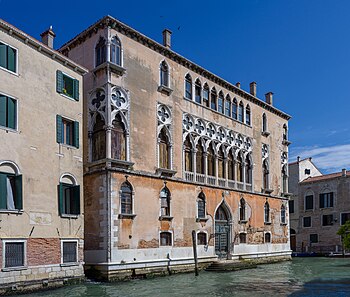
{"type": "Point", "coordinates": [300, 277]}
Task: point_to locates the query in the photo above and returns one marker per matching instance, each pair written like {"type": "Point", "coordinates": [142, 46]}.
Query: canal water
{"type": "Point", "coordinates": [300, 277]}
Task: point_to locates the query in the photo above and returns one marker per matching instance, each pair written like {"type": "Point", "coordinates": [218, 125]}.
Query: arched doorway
{"type": "Point", "coordinates": [222, 231]}
{"type": "Point", "coordinates": [293, 241]}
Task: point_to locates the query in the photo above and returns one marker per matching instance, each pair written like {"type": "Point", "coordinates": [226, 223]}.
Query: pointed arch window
{"type": "Point", "coordinates": [98, 139]}
{"type": "Point", "coordinates": [188, 155]}
{"type": "Point", "coordinates": [165, 202]}
{"type": "Point", "coordinates": [206, 95]}
{"type": "Point", "coordinates": [284, 179]}
{"type": "Point", "coordinates": [264, 123]}
{"type": "Point", "coordinates": [198, 91]}
{"type": "Point", "coordinates": [234, 109]}
{"type": "Point", "coordinates": [188, 87]}
{"type": "Point", "coordinates": [116, 51]}
{"type": "Point", "coordinates": [241, 112]}
{"type": "Point", "coordinates": [242, 210]}
{"type": "Point", "coordinates": [221, 103]}
{"type": "Point", "coordinates": [211, 160]}
{"type": "Point", "coordinates": [221, 214]}
{"type": "Point", "coordinates": [100, 52]}
{"type": "Point", "coordinates": [239, 168]}
{"type": "Point", "coordinates": [267, 212]}
{"type": "Point", "coordinates": [200, 160]}
{"type": "Point", "coordinates": [228, 106]}
{"type": "Point", "coordinates": [285, 132]}
{"type": "Point", "coordinates": [247, 115]}
{"type": "Point", "coordinates": [118, 139]}
{"type": "Point", "coordinates": [201, 206]}
{"type": "Point", "coordinates": [221, 163]}
{"type": "Point", "coordinates": [164, 74]}
{"type": "Point", "coordinates": [265, 170]}
{"type": "Point", "coordinates": [248, 170]}
{"type": "Point", "coordinates": [283, 214]}
{"type": "Point", "coordinates": [230, 166]}
{"type": "Point", "coordinates": [164, 149]}
{"type": "Point", "coordinates": [126, 203]}
{"type": "Point", "coordinates": [213, 99]}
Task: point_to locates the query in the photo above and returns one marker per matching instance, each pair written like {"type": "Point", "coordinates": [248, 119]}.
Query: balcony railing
{"type": "Point", "coordinates": [248, 187]}
{"type": "Point", "coordinates": [189, 176]}
{"type": "Point", "coordinates": [222, 182]}
{"type": "Point", "coordinates": [200, 178]}
{"type": "Point", "coordinates": [211, 180]}
{"type": "Point", "coordinates": [231, 184]}
{"type": "Point", "coordinates": [239, 185]}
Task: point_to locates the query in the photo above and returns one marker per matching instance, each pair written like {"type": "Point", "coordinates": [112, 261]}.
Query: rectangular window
{"type": "Point", "coordinates": [67, 131]}
{"type": "Point", "coordinates": [307, 221]}
{"type": "Point", "coordinates": [345, 217]}
{"type": "Point", "coordinates": [291, 206]}
{"type": "Point", "coordinates": [69, 252]}
{"type": "Point", "coordinates": [69, 199]}
{"type": "Point", "coordinates": [242, 237]}
{"type": "Point", "coordinates": [309, 202]}
{"type": "Point", "coordinates": [313, 238]}
{"type": "Point", "coordinates": [10, 191]}
{"type": "Point", "coordinates": [227, 108]}
{"type": "Point", "coordinates": [197, 93]}
{"type": "Point", "coordinates": [220, 105]}
{"type": "Point", "coordinates": [234, 110]}
{"type": "Point", "coordinates": [8, 112]}
{"type": "Point", "coordinates": [165, 239]}
{"type": "Point", "coordinates": [201, 238]}
{"type": "Point", "coordinates": [327, 220]}
{"type": "Point", "coordinates": [8, 57]}
{"type": "Point", "coordinates": [326, 200]}
{"type": "Point", "coordinates": [67, 85]}
{"type": "Point", "coordinates": [14, 254]}
{"type": "Point", "coordinates": [206, 97]}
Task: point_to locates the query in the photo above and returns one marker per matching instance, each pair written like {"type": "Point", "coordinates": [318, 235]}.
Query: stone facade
{"type": "Point", "coordinates": [320, 207]}
{"type": "Point", "coordinates": [35, 221]}
{"type": "Point", "coordinates": [160, 162]}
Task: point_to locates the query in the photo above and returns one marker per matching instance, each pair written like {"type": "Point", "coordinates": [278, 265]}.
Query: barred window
{"type": "Point", "coordinates": [165, 239]}
{"type": "Point", "coordinates": [70, 252]}
{"type": "Point", "coordinates": [14, 254]}
{"type": "Point", "coordinates": [201, 205]}
{"type": "Point", "coordinates": [201, 238]}
{"type": "Point", "coordinates": [242, 238]}
{"type": "Point", "coordinates": [126, 198]}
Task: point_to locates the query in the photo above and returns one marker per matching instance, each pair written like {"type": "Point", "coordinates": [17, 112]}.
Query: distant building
{"type": "Point", "coordinates": [170, 148]}
{"type": "Point", "coordinates": [41, 169]}
{"type": "Point", "coordinates": [318, 207]}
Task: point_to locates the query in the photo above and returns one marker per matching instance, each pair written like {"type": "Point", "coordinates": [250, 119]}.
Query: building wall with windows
{"type": "Point", "coordinates": [161, 161]}
{"type": "Point", "coordinates": [41, 205]}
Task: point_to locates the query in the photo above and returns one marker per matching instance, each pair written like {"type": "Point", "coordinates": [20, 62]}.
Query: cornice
{"type": "Point", "coordinates": [113, 23]}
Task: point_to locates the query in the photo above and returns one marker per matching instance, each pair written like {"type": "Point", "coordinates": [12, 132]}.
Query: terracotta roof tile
{"type": "Point", "coordinates": [323, 177]}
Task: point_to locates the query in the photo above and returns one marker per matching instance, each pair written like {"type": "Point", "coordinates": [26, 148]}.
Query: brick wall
{"type": "Point", "coordinates": [43, 251]}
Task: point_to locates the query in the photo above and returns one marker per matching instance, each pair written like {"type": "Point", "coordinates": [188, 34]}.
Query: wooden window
{"type": "Point", "coordinates": [221, 103]}
{"type": "Point", "coordinates": [69, 199]}
{"type": "Point", "coordinates": [242, 238]}
{"type": "Point", "coordinates": [188, 87]}
{"type": "Point", "coordinates": [165, 202]}
{"type": "Point", "coordinates": [116, 51]}
{"type": "Point", "coordinates": [165, 239]}
{"type": "Point", "coordinates": [267, 237]}
{"type": "Point", "coordinates": [247, 115]}
{"type": "Point", "coordinates": [164, 150]}
{"type": "Point", "coordinates": [307, 222]}
{"type": "Point", "coordinates": [198, 91]}
{"type": "Point", "coordinates": [283, 214]}
{"type": "Point", "coordinates": [239, 169]}
{"type": "Point", "coordinates": [200, 159]}
{"type": "Point", "coordinates": [10, 191]}
{"type": "Point", "coordinates": [309, 202]}
{"type": "Point", "coordinates": [67, 85]}
{"type": "Point", "coordinates": [228, 106]}
{"type": "Point", "coordinates": [234, 109]}
{"type": "Point", "coordinates": [118, 139]}
{"type": "Point", "coordinates": [206, 95]}
{"type": "Point", "coordinates": [164, 74]}
{"type": "Point", "coordinates": [211, 161]}
{"type": "Point", "coordinates": [188, 155]}
{"type": "Point", "coordinates": [221, 164]}
{"type": "Point", "coordinates": [8, 112]}
{"type": "Point", "coordinates": [69, 253]}
{"type": "Point", "coordinates": [213, 98]}
{"type": "Point", "coordinates": [100, 52]}
{"type": "Point", "coordinates": [8, 57]}
{"type": "Point", "coordinates": [242, 210]}
{"type": "Point", "coordinates": [241, 112]}
{"type": "Point", "coordinates": [98, 140]}
{"type": "Point", "coordinates": [313, 238]}
{"type": "Point", "coordinates": [201, 206]}
{"type": "Point", "coordinates": [14, 254]}
{"type": "Point", "coordinates": [126, 198]}
{"type": "Point", "coordinates": [67, 131]}
{"type": "Point", "coordinates": [267, 212]}
{"type": "Point", "coordinates": [326, 200]}
{"type": "Point", "coordinates": [230, 166]}
{"type": "Point", "coordinates": [201, 238]}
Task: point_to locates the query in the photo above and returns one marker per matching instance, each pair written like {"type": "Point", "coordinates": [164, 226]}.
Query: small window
{"type": "Point", "coordinates": [307, 171]}
{"type": "Point", "coordinates": [264, 123]}
{"type": "Point", "coordinates": [8, 112]}
{"type": "Point", "coordinates": [188, 87]}
{"type": "Point", "coordinates": [327, 220]}
{"type": "Point", "coordinates": [116, 51]}
{"type": "Point", "coordinates": [201, 238]}
{"type": "Point", "coordinates": [307, 222]}
{"type": "Point", "coordinates": [69, 253]}
{"type": "Point", "coordinates": [283, 214]}
{"type": "Point", "coordinates": [165, 239]}
{"type": "Point", "coordinates": [285, 132]}
{"type": "Point", "coordinates": [10, 191]}
{"type": "Point", "coordinates": [291, 206]}
{"type": "Point", "coordinates": [267, 237]}
{"type": "Point", "coordinates": [313, 238]}
{"type": "Point", "coordinates": [164, 74]}
{"type": "Point", "coordinates": [240, 112]}
{"type": "Point", "coordinates": [14, 254]}
{"type": "Point", "coordinates": [345, 217]}
{"type": "Point", "coordinates": [201, 206]}
{"type": "Point", "coordinates": [213, 99]}
{"type": "Point", "coordinates": [126, 198]}
{"type": "Point", "coordinates": [221, 103]}
{"type": "Point", "coordinates": [69, 199]}
{"type": "Point", "coordinates": [247, 115]}
{"type": "Point", "coordinates": [242, 210]}
{"type": "Point", "coordinates": [228, 106]}
{"type": "Point", "coordinates": [100, 51]}
{"type": "Point", "coordinates": [67, 85]}
{"type": "Point", "coordinates": [8, 57]}
{"type": "Point", "coordinates": [309, 202]}
{"type": "Point", "coordinates": [234, 109]}
{"type": "Point", "coordinates": [67, 131]}
{"type": "Point", "coordinates": [242, 237]}
{"type": "Point", "coordinates": [165, 202]}
{"type": "Point", "coordinates": [267, 212]}
{"type": "Point", "coordinates": [206, 95]}
{"type": "Point", "coordinates": [198, 91]}
{"type": "Point", "coordinates": [326, 200]}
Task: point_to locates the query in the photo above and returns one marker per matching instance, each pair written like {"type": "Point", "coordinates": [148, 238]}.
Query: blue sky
{"type": "Point", "coordinates": [298, 49]}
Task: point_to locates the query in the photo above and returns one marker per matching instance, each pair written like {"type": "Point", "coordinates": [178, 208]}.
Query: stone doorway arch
{"type": "Point", "coordinates": [223, 222]}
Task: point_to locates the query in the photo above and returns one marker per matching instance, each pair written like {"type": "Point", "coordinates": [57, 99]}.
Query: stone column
{"type": "Point", "coordinates": [109, 141]}
{"type": "Point", "coordinates": [244, 177]}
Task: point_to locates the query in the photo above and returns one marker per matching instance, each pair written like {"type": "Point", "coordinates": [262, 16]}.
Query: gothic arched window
{"type": "Point", "coordinates": [206, 95]}
{"type": "Point", "coordinates": [98, 140]}
{"type": "Point", "coordinates": [188, 155]}
{"type": "Point", "coordinates": [188, 87]}
{"type": "Point", "coordinates": [242, 210]}
{"type": "Point", "coordinates": [234, 109]}
{"type": "Point", "coordinates": [247, 115]}
{"type": "Point", "coordinates": [230, 166]}
{"type": "Point", "coordinates": [248, 170]}
{"type": "Point", "coordinates": [100, 52]}
{"type": "Point", "coordinates": [198, 91]}
{"type": "Point", "coordinates": [211, 161]}
{"type": "Point", "coordinates": [265, 170]}
{"type": "Point", "coordinates": [228, 106]}
{"type": "Point", "coordinates": [165, 202]}
{"type": "Point", "coordinates": [264, 123]}
{"type": "Point", "coordinates": [240, 112]}
{"type": "Point", "coordinates": [283, 214]}
{"type": "Point", "coordinates": [221, 103]}
{"type": "Point", "coordinates": [200, 159]}
{"type": "Point", "coordinates": [164, 74]}
{"type": "Point", "coordinates": [201, 206]}
{"type": "Point", "coordinates": [221, 163]}
{"type": "Point", "coordinates": [164, 150]}
{"type": "Point", "coordinates": [118, 139]}
{"type": "Point", "coordinates": [267, 212]}
{"type": "Point", "coordinates": [213, 99]}
{"type": "Point", "coordinates": [126, 198]}
{"type": "Point", "coordinates": [116, 51]}
{"type": "Point", "coordinates": [239, 168]}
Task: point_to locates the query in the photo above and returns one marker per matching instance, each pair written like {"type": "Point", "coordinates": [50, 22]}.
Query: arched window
{"type": "Point", "coordinates": [118, 139]}
{"type": "Point", "coordinates": [188, 87]}
{"type": "Point", "coordinates": [284, 179]}
{"type": "Point", "coordinates": [283, 214]}
{"type": "Point", "coordinates": [240, 112]}
{"type": "Point", "coordinates": [239, 168]}
{"type": "Point", "coordinates": [98, 139]}
{"type": "Point", "coordinates": [198, 91]}
{"type": "Point", "coordinates": [264, 123]}
{"type": "Point", "coordinates": [242, 210]}
{"type": "Point", "coordinates": [201, 206]}
{"type": "Point", "coordinates": [165, 202]}
{"type": "Point", "coordinates": [206, 95]}
{"type": "Point", "coordinates": [267, 237]}
{"type": "Point", "coordinates": [248, 170]}
{"type": "Point", "coordinates": [230, 166]}
{"type": "Point", "coordinates": [265, 170]}
{"type": "Point", "coordinates": [247, 115]}
{"type": "Point", "coordinates": [228, 106]}
{"type": "Point", "coordinates": [200, 159]}
{"type": "Point", "coordinates": [267, 212]}
{"type": "Point", "coordinates": [221, 103]}
{"type": "Point", "coordinates": [211, 160]}
{"type": "Point", "coordinates": [234, 109]}
{"type": "Point", "coordinates": [285, 132]}
{"type": "Point", "coordinates": [116, 51]}
{"type": "Point", "coordinates": [164, 150]}
{"type": "Point", "coordinates": [69, 196]}
{"type": "Point", "coordinates": [126, 206]}
{"type": "Point", "coordinates": [10, 187]}
{"type": "Point", "coordinates": [188, 155]}
{"type": "Point", "coordinates": [213, 98]}
{"type": "Point", "coordinates": [221, 163]}
{"type": "Point", "coordinates": [164, 74]}
{"type": "Point", "coordinates": [100, 52]}
{"type": "Point", "coordinates": [221, 214]}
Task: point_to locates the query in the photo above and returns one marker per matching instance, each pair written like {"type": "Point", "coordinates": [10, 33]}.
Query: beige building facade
{"type": "Point", "coordinates": [170, 148]}
{"type": "Point", "coordinates": [41, 168]}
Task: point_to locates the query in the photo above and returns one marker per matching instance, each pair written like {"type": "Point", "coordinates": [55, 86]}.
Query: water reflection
{"type": "Point", "coordinates": [300, 277]}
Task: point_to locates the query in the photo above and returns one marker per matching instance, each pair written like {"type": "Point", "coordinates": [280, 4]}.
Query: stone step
{"type": "Point", "coordinates": [229, 266]}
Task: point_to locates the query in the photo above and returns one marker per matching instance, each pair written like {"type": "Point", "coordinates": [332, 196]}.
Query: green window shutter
{"type": "Point", "coordinates": [60, 190]}
{"type": "Point", "coordinates": [3, 110]}
{"type": "Point", "coordinates": [59, 129]}
{"type": "Point", "coordinates": [3, 191]}
{"type": "Point", "coordinates": [3, 55]}
{"type": "Point", "coordinates": [11, 59]}
{"type": "Point", "coordinates": [18, 196]}
{"type": "Point", "coordinates": [11, 113]}
{"type": "Point", "coordinates": [76, 89]}
{"type": "Point", "coordinates": [76, 135]}
{"type": "Point", "coordinates": [59, 81]}
{"type": "Point", "coordinates": [75, 195]}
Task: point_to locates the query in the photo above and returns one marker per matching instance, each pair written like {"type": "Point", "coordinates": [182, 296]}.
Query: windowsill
{"type": "Point", "coordinates": [69, 216]}
{"type": "Point", "coordinates": [14, 268]}
{"type": "Point", "coordinates": [165, 218]}
{"type": "Point", "coordinates": [287, 195]}
{"type": "Point", "coordinates": [9, 211]}
{"type": "Point", "coordinates": [9, 71]}
{"type": "Point", "coordinates": [267, 191]}
{"type": "Point", "coordinates": [7, 129]}
{"type": "Point", "coordinates": [111, 163]}
{"type": "Point", "coordinates": [242, 221]}
{"type": "Point", "coordinates": [68, 146]}
{"type": "Point", "coordinates": [126, 216]}
{"type": "Point", "coordinates": [265, 133]}
{"type": "Point", "coordinates": [286, 142]}
{"type": "Point", "coordinates": [283, 224]}
{"type": "Point", "coordinates": [108, 65]}
{"type": "Point", "coordinates": [68, 97]}
{"type": "Point", "coordinates": [69, 264]}
{"type": "Point", "coordinates": [201, 219]}
{"type": "Point", "coordinates": [267, 223]}
{"type": "Point", "coordinates": [165, 90]}
{"type": "Point", "coordinates": [165, 172]}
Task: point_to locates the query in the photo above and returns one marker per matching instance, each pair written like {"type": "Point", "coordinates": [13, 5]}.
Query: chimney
{"type": "Point", "coordinates": [343, 172]}
{"type": "Point", "coordinates": [298, 159]}
{"type": "Point", "coordinates": [47, 37]}
{"type": "Point", "coordinates": [238, 84]}
{"type": "Point", "coordinates": [268, 97]}
{"type": "Point", "coordinates": [167, 38]}
{"type": "Point", "coordinates": [253, 88]}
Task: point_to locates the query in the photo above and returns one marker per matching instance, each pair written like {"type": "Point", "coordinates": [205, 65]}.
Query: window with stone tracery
{"type": "Point", "coordinates": [211, 160]}
{"type": "Point", "coordinates": [118, 139]}
{"type": "Point", "coordinates": [98, 139]}
{"type": "Point", "coordinates": [200, 159]}
{"type": "Point", "coordinates": [188, 155]}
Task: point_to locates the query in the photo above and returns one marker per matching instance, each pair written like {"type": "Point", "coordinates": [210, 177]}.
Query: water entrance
{"type": "Point", "coordinates": [222, 232]}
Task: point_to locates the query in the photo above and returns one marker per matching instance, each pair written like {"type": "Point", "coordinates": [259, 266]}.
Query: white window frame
{"type": "Point", "coordinates": [207, 237]}
{"type": "Point", "coordinates": [77, 252]}
{"type": "Point", "coordinates": [17, 112]}
{"type": "Point", "coordinates": [172, 238]}
{"type": "Point", "coordinates": [68, 97]}
{"type": "Point", "coordinates": [17, 67]}
{"type": "Point", "coordinates": [4, 242]}
{"type": "Point", "coordinates": [268, 232]}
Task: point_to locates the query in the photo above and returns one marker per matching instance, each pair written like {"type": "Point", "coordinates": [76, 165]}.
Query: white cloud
{"type": "Point", "coordinates": [328, 159]}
